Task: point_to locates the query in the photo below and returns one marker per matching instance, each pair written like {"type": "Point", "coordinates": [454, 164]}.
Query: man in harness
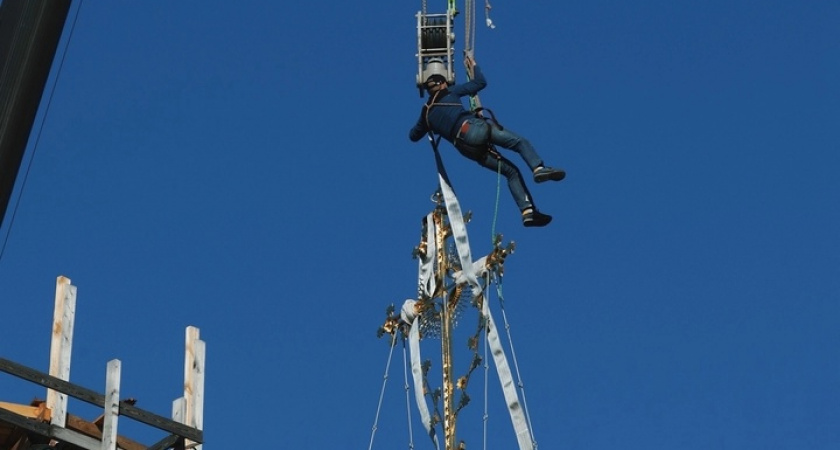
{"type": "Point", "coordinates": [474, 137]}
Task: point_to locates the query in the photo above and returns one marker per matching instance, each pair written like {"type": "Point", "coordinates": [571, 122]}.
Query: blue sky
{"type": "Point", "coordinates": [244, 167]}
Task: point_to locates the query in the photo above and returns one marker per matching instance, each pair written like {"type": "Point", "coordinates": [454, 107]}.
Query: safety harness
{"type": "Point", "coordinates": [465, 125]}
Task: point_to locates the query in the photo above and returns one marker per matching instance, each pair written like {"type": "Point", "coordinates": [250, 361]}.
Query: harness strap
{"type": "Point", "coordinates": [433, 102]}
{"type": "Point", "coordinates": [492, 116]}
{"type": "Point", "coordinates": [477, 152]}
{"type": "Point", "coordinates": [428, 107]}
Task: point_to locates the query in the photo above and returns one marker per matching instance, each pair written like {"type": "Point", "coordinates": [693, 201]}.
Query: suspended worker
{"type": "Point", "coordinates": [473, 135]}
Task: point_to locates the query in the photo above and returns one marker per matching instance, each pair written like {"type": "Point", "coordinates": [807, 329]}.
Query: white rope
{"type": "Point", "coordinates": [427, 282]}
{"type": "Point", "coordinates": [486, 417]}
{"type": "Point", "coordinates": [417, 371]}
{"type": "Point", "coordinates": [459, 229]}
{"type": "Point", "coordinates": [520, 423]}
{"type": "Point", "coordinates": [407, 399]}
{"type": "Point", "coordinates": [487, 19]}
{"type": "Point", "coordinates": [519, 382]}
{"type": "Point", "coordinates": [469, 22]}
{"type": "Point", "coordinates": [382, 391]}
{"type": "Point", "coordinates": [469, 25]}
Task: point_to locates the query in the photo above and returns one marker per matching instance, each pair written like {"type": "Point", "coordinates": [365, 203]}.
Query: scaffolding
{"type": "Point", "coordinates": [46, 424]}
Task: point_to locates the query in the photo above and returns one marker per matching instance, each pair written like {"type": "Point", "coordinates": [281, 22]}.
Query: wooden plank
{"type": "Point", "coordinates": [112, 406]}
{"type": "Point", "coordinates": [179, 407]}
{"type": "Point", "coordinates": [74, 437]}
{"type": "Point", "coordinates": [194, 381]}
{"type": "Point", "coordinates": [162, 423]}
{"type": "Point", "coordinates": [26, 423]}
{"type": "Point", "coordinates": [51, 382]}
{"type": "Point", "coordinates": [192, 335]}
{"type": "Point", "coordinates": [167, 442]}
{"type": "Point", "coordinates": [62, 346]}
{"type": "Point", "coordinates": [198, 378]}
{"type": "Point", "coordinates": [90, 429]}
{"type": "Point", "coordinates": [30, 412]}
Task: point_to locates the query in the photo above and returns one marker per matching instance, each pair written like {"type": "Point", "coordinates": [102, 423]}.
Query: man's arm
{"type": "Point", "coordinates": [418, 130]}
{"type": "Point", "coordinates": [470, 87]}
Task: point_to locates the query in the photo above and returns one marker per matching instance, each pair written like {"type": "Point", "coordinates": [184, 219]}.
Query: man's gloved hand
{"type": "Point", "coordinates": [469, 61]}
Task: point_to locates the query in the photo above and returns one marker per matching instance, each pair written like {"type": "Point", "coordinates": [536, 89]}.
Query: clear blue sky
{"type": "Point", "coordinates": [244, 167]}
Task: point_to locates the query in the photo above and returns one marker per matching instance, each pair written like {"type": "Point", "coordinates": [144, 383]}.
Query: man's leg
{"type": "Point", "coordinates": [510, 140]}
{"type": "Point", "coordinates": [515, 182]}
{"type": "Point", "coordinates": [531, 217]}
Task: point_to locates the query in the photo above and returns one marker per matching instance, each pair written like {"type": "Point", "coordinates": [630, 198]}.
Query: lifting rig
{"type": "Point", "coordinates": [435, 45]}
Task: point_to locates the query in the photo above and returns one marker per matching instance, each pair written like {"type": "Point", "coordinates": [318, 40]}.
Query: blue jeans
{"type": "Point", "coordinates": [474, 145]}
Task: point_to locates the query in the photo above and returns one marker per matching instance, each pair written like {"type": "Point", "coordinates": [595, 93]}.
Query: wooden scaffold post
{"type": "Point", "coordinates": [189, 409]}
{"type": "Point", "coordinates": [62, 346]}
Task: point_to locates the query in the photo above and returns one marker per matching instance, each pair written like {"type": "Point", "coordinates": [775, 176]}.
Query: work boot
{"type": "Point", "coordinates": [533, 218]}
{"type": "Point", "coordinates": [548, 173]}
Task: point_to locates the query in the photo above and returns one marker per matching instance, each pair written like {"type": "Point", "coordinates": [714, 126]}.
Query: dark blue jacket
{"type": "Point", "coordinates": [447, 113]}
